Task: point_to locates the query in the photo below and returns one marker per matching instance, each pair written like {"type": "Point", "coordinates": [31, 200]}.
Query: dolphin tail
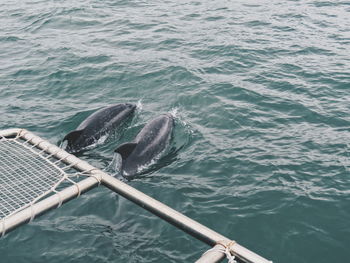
{"type": "Point", "coordinates": [70, 137]}
{"type": "Point", "coordinates": [125, 149]}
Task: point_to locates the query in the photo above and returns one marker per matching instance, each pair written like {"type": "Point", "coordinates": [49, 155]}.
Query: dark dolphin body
{"type": "Point", "coordinates": [96, 125]}
{"type": "Point", "coordinates": [149, 143]}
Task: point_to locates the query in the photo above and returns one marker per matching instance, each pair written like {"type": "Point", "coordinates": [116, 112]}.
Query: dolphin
{"type": "Point", "coordinates": [147, 145]}
{"type": "Point", "coordinates": [96, 125]}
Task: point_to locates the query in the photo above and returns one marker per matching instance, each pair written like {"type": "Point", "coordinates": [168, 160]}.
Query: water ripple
{"type": "Point", "coordinates": [261, 146]}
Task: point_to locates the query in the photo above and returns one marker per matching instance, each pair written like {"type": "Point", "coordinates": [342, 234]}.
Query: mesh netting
{"type": "Point", "coordinates": [26, 175]}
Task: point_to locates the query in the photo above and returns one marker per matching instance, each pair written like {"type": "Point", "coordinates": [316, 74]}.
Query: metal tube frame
{"type": "Point", "coordinates": [163, 211]}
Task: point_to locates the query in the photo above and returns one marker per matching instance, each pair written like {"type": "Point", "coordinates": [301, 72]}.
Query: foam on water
{"type": "Point", "coordinates": [139, 105]}
{"type": "Point", "coordinates": [173, 112]}
{"type": "Point", "coordinates": [180, 120]}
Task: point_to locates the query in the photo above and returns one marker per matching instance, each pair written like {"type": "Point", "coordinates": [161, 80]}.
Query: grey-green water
{"type": "Point", "coordinates": [261, 147]}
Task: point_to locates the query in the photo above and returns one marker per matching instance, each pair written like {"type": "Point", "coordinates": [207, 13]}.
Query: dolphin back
{"type": "Point", "coordinates": [148, 144]}
{"type": "Point", "coordinates": [108, 116]}
{"type": "Point", "coordinates": [96, 125]}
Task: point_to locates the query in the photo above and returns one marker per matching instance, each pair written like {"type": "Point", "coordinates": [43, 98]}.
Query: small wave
{"type": "Point", "coordinates": [180, 118]}
{"type": "Point", "coordinates": [139, 105]}
{"type": "Point", "coordinates": [116, 164]}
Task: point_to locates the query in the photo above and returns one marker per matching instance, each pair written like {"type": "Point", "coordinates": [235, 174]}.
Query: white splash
{"type": "Point", "coordinates": [177, 114]}
{"type": "Point", "coordinates": [147, 165]}
{"type": "Point", "coordinates": [139, 105]}
{"type": "Point", "coordinates": [174, 111]}
{"type": "Point", "coordinates": [100, 141]}
{"type": "Point", "coordinates": [116, 163]}
{"type": "Point", "coordinates": [63, 144]}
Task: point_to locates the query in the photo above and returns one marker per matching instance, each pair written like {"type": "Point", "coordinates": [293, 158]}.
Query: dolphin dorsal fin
{"type": "Point", "coordinates": [72, 135]}
{"type": "Point", "coordinates": [125, 149]}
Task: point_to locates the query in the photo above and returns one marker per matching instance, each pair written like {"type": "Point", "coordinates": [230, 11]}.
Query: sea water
{"type": "Point", "coordinates": [260, 150]}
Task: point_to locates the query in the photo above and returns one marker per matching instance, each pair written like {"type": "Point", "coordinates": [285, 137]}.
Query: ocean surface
{"type": "Point", "coordinates": [260, 151]}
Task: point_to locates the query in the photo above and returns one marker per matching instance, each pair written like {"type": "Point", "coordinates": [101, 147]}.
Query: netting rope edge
{"type": "Point", "coordinates": [65, 176]}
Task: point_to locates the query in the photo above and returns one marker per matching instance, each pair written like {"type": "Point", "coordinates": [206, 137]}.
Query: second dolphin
{"type": "Point", "coordinates": [147, 145]}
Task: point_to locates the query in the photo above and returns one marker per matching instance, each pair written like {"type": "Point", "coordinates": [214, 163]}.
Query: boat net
{"type": "Point", "coordinates": [30, 173]}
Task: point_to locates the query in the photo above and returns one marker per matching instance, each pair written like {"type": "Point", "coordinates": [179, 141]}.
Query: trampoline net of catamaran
{"type": "Point", "coordinates": [29, 174]}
